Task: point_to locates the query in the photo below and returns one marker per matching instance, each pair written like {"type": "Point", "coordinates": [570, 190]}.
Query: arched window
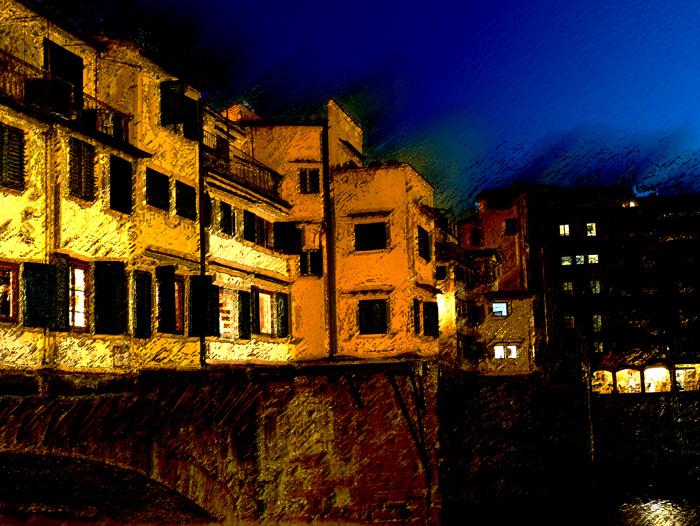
{"type": "Point", "coordinates": [602, 382]}
{"type": "Point", "coordinates": [628, 381]}
{"type": "Point", "coordinates": [657, 379]}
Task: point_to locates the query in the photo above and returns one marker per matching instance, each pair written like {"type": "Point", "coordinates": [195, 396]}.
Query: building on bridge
{"type": "Point", "coordinates": [143, 229]}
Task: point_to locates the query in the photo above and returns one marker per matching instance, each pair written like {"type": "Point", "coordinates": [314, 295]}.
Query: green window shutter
{"type": "Point", "coordinates": [111, 305]}
{"type": "Point", "coordinates": [143, 304]}
{"type": "Point", "coordinates": [39, 281]}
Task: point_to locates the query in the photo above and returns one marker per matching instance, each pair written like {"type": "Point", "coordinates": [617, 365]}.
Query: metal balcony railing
{"type": "Point", "coordinates": [239, 167]}
{"type": "Point", "coordinates": [36, 88]}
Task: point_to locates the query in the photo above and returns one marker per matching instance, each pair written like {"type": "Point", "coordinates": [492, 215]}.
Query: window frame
{"type": "Point", "coordinates": [128, 176]}
{"type": "Point", "coordinates": [271, 296]}
{"type": "Point", "coordinates": [567, 287]}
{"type": "Point", "coordinates": [507, 306]}
{"type": "Point", "coordinates": [228, 215]}
{"type": "Point", "coordinates": [13, 269]}
{"type": "Point", "coordinates": [74, 264]}
{"type": "Point", "coordinates": [179, 304]}
{"type": "Point", "coordinates": [567, 261]}
{"type": "Point", "coordinates": [592, 259]}
{"type": "Point", "coordinates": [233, 333]}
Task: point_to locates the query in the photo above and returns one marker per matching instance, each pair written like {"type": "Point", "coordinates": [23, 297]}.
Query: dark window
{"type": "Point", "coordinates": [227, 219]}
{"type": "Point", "coordinates": [311, 263]}
{"type": "Point", "coordinates": [8, 292]}
{"type": "Point", "coordinates": [67, 68]}
{"type": "Point", "coordinates": [170, 300]}
{"type": "Point", "coordinates": [39, 281]}
{"type": "Point", "coordinates": [309, 181]}
{"type": "Point", "coordinates": [416, 316]}
{"type": "Point", "coordinates": [244, 315]}
{"type": "Point", "coordinates": [142, 304]}
{"type": "Point", "coordinates": [373, 316]}
{"type": "Point", "coordinates": [249, 226]}
{"type": "Point", "coordinates": [371, 236]}
{"type": "Point", "coordinates": [511, 226]}
{"type": "Point", "coordinates": [424, 248]}
{"type": "Point", "coordinates": [82, 170]}
{"type": "Point", "coordinates": [430, 319]}
{"type": "Point", "coordinates": [111, 305]}
{"type": "Point", "coordinates": [157, 189]}
{"type": "Point", "coordinates": [185, 201]}
{"type": "Point", "coordinates": [178, 109]}
{"type": "Point", "coordinates": [282, 315]}
{"type": "Point", "coordinates": [475, 313]}
{"type": "Point", "coordinates": [440, 272]}
{"type": "Point", "coordinates": [11, 157]}
{"type": "Point", "coordinates": [204, 307]}
{"type": "Point", "coordinates": [287, 237]}
{"type": "Point", "coordinates": [475, 237]}
{"type": "Point", "coordinates": [460, 274]}
{"type": "Point", "coordinates": [257, 229]}
{"type": "Point", "coordinates": [120, 184]}
{"type": "Point", "coordinates": [206, 209]}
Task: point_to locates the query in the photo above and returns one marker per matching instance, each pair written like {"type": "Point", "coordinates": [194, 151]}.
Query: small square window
{"type": "Point", "coordinates": [595, 287]}
{"type": "Point", "coordinates": [564, 230]}
{"type": "Point", "coordinates": [501, 352]}
{"type": "Point", "coordinates": [598, 347]}
{"type": "Point", "coordinates": [499, 309]}
{"type": "Point", "coordinates": [373, 316]}
{"type": "Point", "coordinates": [309, 181]}
{"type": "Point", "coordinates": [567, 287]}
{"type": "Point", "coordinates": [440, 272]}
{"type": "Point", "coordinates": [185, 201]}
{"type": "Point", "coordinates": [580, 260]}
{"type": "Point", "coordinates": [569, 321]}
{"type": "Point", "coordinates": [371, 236]}
{"type": "Point", "coordinates": [566, 261]}
{"type": "Point", "coordinates": [591, 229]}
{"type": "Point", "coordinates": [592, 259]}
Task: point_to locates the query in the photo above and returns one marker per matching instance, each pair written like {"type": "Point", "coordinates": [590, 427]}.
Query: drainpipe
{"type": "Point", "coordinates": [329, 213]}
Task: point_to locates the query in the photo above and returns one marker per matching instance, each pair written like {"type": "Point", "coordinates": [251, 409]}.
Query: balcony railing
{"type": "Point", "coordinates": [36, 88]}
{"type": "Point", "coordinates": [239, 167]}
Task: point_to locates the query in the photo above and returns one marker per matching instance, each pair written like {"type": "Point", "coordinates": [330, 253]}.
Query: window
{"type": "Point", "coordinates": [569, 321]}
{"type": "Point", "coordinates": [81, 176]}
{"type": "Point", "coordinates": [592, 259]}
{"type": "Point", "coordinates": [185, 201]}
{"type": "Point", "coordinates": [416, 316]}
{"type": "Point", "coordinates": [566, 261]}
{"type": "Point", "coordinates": [142, 304]}
{"type": "Point", "coordinates": [110, 300]}
{"type": "Point", "coordinates": [501, 352]}
{"type": "Point", "coordinates": [510, 226]}
{"type": "Point", "coordinates": [688, 377]}
{"type": "Point", "coordinates": [11, 157]}
{"type": "Point", "coordinates": [8, 292]}
{"type": "Point", "coordinates": [227, 219]}
{"type": "Point", "coordinates": [373, 316]}
{"type": "Point", "coordinates": [371, 236]}
{"type": "Point", "coordinates": [424, 248]}
{"type": "Point", "coordinates": [564, 230]}
{"type": "Point", "coordinates": [262, 315]}
{"type": "Point", "coordinates": [594, 286]}
{"type": "Point", "coordinates": [120, 184]}
{"type": "Point", "coordinates": [170, 298]}
{"type": "Point", "coordinates": [266, 314]}
{"type": "Point", "coordinates": [309, 181]}
{"type": "Point", "coordinates": [157, 189]}
{"type": "Point", "coordinates": [499, 309]}
{"type": "Point", "coordinates": [440, 272]}
{"type": "Point", "coordinates": [177, 111]}
{"type": "Point", "coordinates": [596, 323]}
{"type": "Point", "coordinates": [430, 319]}
{"type": "Point", "coordinates": [590, 229]}
{"type": "Point", "coordinates": [602, 382]}
{"type": "Point", "coordinates": [311, 263]}
{"type": "Point", "coordinates": [79, 293]}
{"type": "Point", "coordinates": [628, 381]}
{"type": "Point", "coordinates": [598, 347]}
{"type": "Point", "coordinates": [657, 379]}
{"type": "Point", "coordinates": [288, 237]}
{"type": "Point", "coordinates": [257, 229]}
{"type": "Point", "coordinates": [567, 287]}
{"type": "Point", "coordinates": [228, 308]}
{"type": "Point", "coordinates": [580, 260]}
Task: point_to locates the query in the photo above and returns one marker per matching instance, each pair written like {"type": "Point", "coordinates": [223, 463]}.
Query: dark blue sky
{"type": "Point", "coordinates": [475, 93]}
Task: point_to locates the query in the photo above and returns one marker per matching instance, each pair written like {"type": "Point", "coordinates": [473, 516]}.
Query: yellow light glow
{"type": "Point", "coordinates": [657, 379]}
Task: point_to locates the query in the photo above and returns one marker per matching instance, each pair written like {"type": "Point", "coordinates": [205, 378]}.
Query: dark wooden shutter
{"type": "Point", "coordinates": [166, 299]}
{"type": "Point", "coordinates": [287, 236]}
{"type": "Point", "coordinates": [172, 93]}
{"type": "Point", "coordinates": [185, 200]}
{"type": "Point", "coordinates": [316, 262]}
{"type": "Point", "coordinates": [304, 263]}
{"type": "Point", "coordinates": [120, 184]}
{"type": "Point", "coordinates": [416, 316]}
{"type": "Point", "coordinates": [225, 218]}
{"type": "Point", "coordinates": [249, 225]}
{"type": "Point", "coordinates": [314, 183]}
{"type": "Point", "coordinates": [204, 307]}
{"type": "Point", "coordinates": [282, 314]}
{"type": "Point", "coordinates": [255, 310]}
{"type": "Point", "coordinates": [143, 304]}
{"type": "Point", "coordinates": [190, 118]}
{"type": "Point", "coordinates": [213, 325]}
{"type": "Point", "coordinates": [205, 212]}
{"type": "Point", "coordinates": [11, 157]}
{"type": "Point", "coordinates": [430, 319]}
{"type": "Point", "coordinates": [111, 304]}
{"type": "Point", "coordinates": [304, 181]}
{"type": "Point", "coordinates": [244, 311]}
{"type": "Point", "coordinates": [39, 294]}
{"type": "Point", "coordinates": [82, 170]}
{"type": "Point", "coordinates": [157, 189]}
{"type": "Point", "coordinates": [60, 320]}
{"type": "Point", "coordinates": [67, 66]}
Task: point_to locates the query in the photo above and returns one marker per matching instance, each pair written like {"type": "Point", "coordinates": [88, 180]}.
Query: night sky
{"type": "Point", "coordinates": [475, 94]}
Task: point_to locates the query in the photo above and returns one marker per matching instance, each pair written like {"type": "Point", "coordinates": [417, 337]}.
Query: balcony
{"type": "Point", "coordinates": [34, 89]}
{"type": "Point", "coordinates": [238, 167]}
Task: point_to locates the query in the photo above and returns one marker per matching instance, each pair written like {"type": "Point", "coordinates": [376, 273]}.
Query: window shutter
{"type": "Point", "coordinates": [248, 226]}
{"type": "Point", "coordinates": [143, 304]}
{"type": "Point", "coordinates": [172, 93]}
{"type": "Point", "coordinates": [166, 299]}
{"type": "Point", "coordinates": [82, 170]}
{"type": "Point", "coordinates": [287, 237]}
{"type": "Point", "coordinates": [39, 294]}
{"type": "Point", "coordinates": [11, 157]}
{"type": "Point", "coordinates": [255, 310]}
{"type": "Point", "coordinates": [60, 320]}
{"type": "Point", "coordinates": [213, 326]}
{"type": "Point", "coordinates": [304, 263]}
{"type": "Point", "coordinates": [314, 184]}
{"type": "Point", "coordinates": [244, 311]}
{"type": "Point", "coordinates": [282, 311]}
{"type": "Point", "coordinates": [111, 304]}
{"type": "Point", "coordinates": [205, 213]}
{"type": "Point", "coordinates": [416, 316]}
{"type": "Point", "coordinates": [62, 64]}
{"type": "Point", "coordinates": [204, 307]}
{"type": "Point", "coordinates": [225, 218]}
{"type": "Point", "coordinates": [88, 171]}
{"type": "Point", "coordinates": [190, 118]}
{"type": "Point", "coordinates": [76, 163]}
{"type": "Point", "coordinates": [316, 262]}
{"type": "Point", "coordinates": [185, 200]}
{"type": "Point", "coordinates": [120, 184]}
{"type": "Point", "coordinates": [157, 189]}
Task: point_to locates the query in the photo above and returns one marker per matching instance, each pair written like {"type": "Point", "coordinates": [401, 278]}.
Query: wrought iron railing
{"type": "Point", "coordinates": [236, 165]}
{"type": "Point", "coordinates": [33, 87]}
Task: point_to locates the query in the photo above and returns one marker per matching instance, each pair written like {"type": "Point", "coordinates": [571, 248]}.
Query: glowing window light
{"type": "Point", "coordinates": [688, 376]}
{"type": "Point", "coordinates": [563, 230]}
{"type": "Point", "coordinates": [657, 379]}
{"type": "Point", "coordinates": [602, 382]}
{"type": "Point", "coordinates": [628, 381]}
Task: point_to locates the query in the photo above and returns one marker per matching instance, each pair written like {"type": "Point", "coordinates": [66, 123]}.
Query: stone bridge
{"type": "Point", "coordinates": [340, 443]}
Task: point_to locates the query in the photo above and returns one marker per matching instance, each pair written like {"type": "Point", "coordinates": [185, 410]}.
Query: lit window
{"type": "Point", "coordinates": [567, 287]}
{"type": "Point", "coordinates": [563, 230]}
{"type": "Point", "coordinates": [499, 309]}
{"type": "Point", "coordinates": [657, 379]}
{"type": "Point", "coordinates": [688, 377]}
{"type": "Point", "coordinates": [569, 321]}
{"type": "Point", "coordinates": [590, 229]}
{"type": "Point", "coordinates": [265, 312]}
{"type": "Point", "coordinates": [579, 260]}
{"type": "Point", "coordinates": [592, 258]}
{"type": "Point", "coordinates": [598, 347]}
{"type": "Point", "coordinates": [602, 382]}
{"type": "Point", "coordinates": [595, 287]}
{"type": "Point", "coordinates": [628, 381]}
{"type": "Point", "coordinates": [78, 306]}
{"type": "Point", "coordinates": [596, 322]}
{"type": "Point", "coordinates": [228, 328]}
{"type": "Point", "coordinates": [566, 261]}
{"type": "Point", "coordinates": [501, 352]}
{"type": "Point", "coordinates": [8, 292]}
